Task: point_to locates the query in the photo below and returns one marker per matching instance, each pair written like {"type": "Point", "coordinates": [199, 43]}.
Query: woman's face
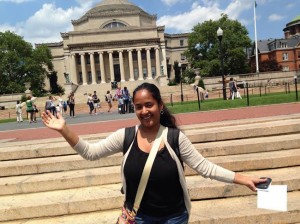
{"type": "Point", "coordinates": [147, 109]}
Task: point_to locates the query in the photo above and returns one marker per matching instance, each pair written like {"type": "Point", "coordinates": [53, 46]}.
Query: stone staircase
{"type": "Point", "coordinates": [44, 181]}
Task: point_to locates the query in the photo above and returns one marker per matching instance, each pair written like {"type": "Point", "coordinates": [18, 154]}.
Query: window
{"type": "Point", "coordinates": [136, 73]}
{"type": "Point", "coordinates": [181, 43]}
{"type": "Point", "coordinates": [283, 45]}
{"type": "Point", "coordinates": [99, 76]}
{"type": "Point", "coordinates": [153, 70]}
{"type": "Point", "coordinates": [89, 77]}
{"type": "Point", "coordinates": [299, 54]}
{"type": "Point", "coordinates": [88, 60]}
{"type": "Point", "coordinates": [114, 25]}
{"type": "Point", "coordinates": [285, 56]}
{"type": "Point", "coordinates": [182, 57]}
{"type": "Point", "coordinates": [80, 77]}
{"type": "Point", "coordinates": [166, 43]}
{"type": "Point", "coordinates": [144, 73]}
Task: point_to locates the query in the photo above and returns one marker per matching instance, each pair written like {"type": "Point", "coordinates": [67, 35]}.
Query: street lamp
{"type": "Point", "coordinates": [220, 36]}
{"type": "Point", "coordinates": [181, 92]}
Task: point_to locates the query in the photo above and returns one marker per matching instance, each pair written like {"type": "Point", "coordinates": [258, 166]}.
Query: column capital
{"type": "Point", "coordinates": [100, 52]}
{"type": "Point", "coordinates": [82, 53]}
{"type": "Point", "coordinates": [129, 50]}
{"type": "Point", "coordinates": [110, 52]}
{"type": "Point", "coordinates": [91, 53]}
{"type": "Point", "coordinates": [139, 49]}
{"type": "Point", "coordinates": [148, 48]}
{"type": "Point", "coordinates": [120, 51]}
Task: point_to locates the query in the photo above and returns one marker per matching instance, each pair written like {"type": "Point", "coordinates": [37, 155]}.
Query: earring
{"type": "Point", "coordinates": [162, 111]}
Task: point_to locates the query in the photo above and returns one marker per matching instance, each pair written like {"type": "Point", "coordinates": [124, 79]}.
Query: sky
{"type": "Point", "coordinates": [42, 21]}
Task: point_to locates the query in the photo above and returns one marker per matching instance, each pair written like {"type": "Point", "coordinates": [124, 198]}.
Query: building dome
{"type": "Point", "coordinates": [108, 8]}
{"type": "Point", "coordinates": [292, 28]}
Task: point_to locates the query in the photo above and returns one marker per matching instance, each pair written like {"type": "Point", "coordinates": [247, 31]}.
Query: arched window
{"type": "Point", "coordinates": [114, 25]}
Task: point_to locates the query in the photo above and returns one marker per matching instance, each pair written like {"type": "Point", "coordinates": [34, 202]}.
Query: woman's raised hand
{"type": "Point", "coordinates": [55, 123]}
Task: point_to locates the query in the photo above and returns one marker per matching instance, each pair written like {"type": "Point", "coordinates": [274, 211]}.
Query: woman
{"type": "Point", "coordinates": [90, 103]}
{"type": "Point", "coordinates": [19, 111]}
{"type": "Point", "coordinates": [71, 103]}
{"type": "Point", "coordinates": [165, 199]}
{"type": "Point", "coordinates": [29, 107]}
{"type": "Point", "coordinates": [108, 98]}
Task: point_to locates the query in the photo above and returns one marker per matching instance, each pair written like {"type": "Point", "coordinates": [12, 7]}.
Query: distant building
{"type": "Point", "coordinates": [116, 41]}
{"type": "Point", "coordinates": [285, 51]}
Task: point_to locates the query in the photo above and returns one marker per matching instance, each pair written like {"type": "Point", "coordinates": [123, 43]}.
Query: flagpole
{"type": "Point", "coordinates": [255, 36]}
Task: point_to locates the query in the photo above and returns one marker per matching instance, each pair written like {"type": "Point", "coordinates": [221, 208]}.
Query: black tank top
{"type": "Point", "coordinates": [163, 195]}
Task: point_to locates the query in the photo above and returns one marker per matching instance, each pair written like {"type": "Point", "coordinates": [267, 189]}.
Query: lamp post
{"type": "Point", "coordinates": [181, 92]}
{"type": "Point", "coordinates": [296, 85]}
{"type": "Point", "coordinates": [220, 36]}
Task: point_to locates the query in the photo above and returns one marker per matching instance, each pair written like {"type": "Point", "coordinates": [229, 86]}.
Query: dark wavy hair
{"type": "Point", "coordinates": [166, 118]}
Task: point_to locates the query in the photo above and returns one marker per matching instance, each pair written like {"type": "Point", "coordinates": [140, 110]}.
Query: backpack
{"type": "Point", "coordinates": [173, 136]}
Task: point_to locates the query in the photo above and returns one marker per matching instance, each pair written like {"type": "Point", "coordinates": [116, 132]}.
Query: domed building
{"type": "Point", "coordinates": [292, 28]}
{"type": "Point", "coordinates": [116, 41]}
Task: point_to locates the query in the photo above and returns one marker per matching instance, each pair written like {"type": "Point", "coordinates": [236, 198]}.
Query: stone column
{"type": "Point", "coordinates": [83, 69]}
{"type": "Point", "coordinates": [164, 60]}
{"type": "Point", "coordinates": [140, 65]}
{"type": "Point", "coordinates": [111, 66]}
{"type": "Point", "coordinates": [149, 64]}
{"type": "Point", "coordinates": [157, 62]}
{"type": "Point", "coordinates": [121, 66]}
{"type": "Point", "coordinates": [130, 65]}
{"type": "Point", "coordinates": [74, 77]}
{"type": "Point", "coordinates": [93, 69]}
{"type": "Point", "coordinates": [102, 70]}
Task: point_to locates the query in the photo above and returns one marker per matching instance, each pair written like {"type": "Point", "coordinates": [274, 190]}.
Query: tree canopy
{"type": "Point", "coordinates": [203, 47]}
{"type": "Point", "coordinates": [20, 63]}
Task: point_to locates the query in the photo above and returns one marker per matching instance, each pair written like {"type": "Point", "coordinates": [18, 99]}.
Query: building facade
{"type": "Point", "coordinates": [286, 51]}
{"type": "Point", "coordinates": [116, 41]}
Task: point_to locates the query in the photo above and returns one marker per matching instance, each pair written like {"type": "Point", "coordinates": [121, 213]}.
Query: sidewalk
{"type": "Point", "coordinates": [182, 119]}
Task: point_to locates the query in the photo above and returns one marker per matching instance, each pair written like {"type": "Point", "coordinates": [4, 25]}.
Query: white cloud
{"type": "Point", "coordinates": [47, 23]}
{"type": "Point", "coordinates": [209, 10]}
{"type": "Point", "coordinates": [275, 17]}
{"type": "Point", "coordinates": [170, 2]}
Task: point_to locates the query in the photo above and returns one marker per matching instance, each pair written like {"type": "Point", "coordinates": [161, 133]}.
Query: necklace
{"type": "Point", "coordinates": [150, 141]}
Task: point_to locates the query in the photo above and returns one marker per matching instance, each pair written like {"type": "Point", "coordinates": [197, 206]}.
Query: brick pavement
{"type": "Point", "coordinates": [182, 119]}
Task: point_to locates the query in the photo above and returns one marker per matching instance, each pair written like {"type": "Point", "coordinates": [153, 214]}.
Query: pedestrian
{"type": "Point", "coordinates": [71, 103]}
{"type": "Point", "coordinates": [166, 198]}
{"type": "Point", "coordinates": [108, 99]}
{"type": "Point", "coordinates": [90, 103]}
{"type": "Point", "coordinates": [60, 105]}
{"type": "Point", "coordinates": [35, 112]}
{"type": "Point", "coordinates": [29, 107]}
{"type": "Point", "coordinates": [19, 111]}
{"type": "Point", "coordinates": [50, 105]}
{"type": "Point", "coordinates": [126, 95]}
{"type": "Point", "coordinates": [96, 102]}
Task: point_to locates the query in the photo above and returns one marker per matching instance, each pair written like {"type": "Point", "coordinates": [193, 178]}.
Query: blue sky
{"type": "Point", "coordinates": [42, 21]}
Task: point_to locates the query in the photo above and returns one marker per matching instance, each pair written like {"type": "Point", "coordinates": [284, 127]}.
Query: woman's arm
{"type": "Point", "coordinates": [196, 161]}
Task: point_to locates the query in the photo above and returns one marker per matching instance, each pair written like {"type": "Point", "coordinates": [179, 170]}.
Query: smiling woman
{"type": "Point", "coordinates": [166, 198]}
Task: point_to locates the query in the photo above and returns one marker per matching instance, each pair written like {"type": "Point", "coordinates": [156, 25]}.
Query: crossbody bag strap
{"type": "Point", "coordinates": [148, 166]}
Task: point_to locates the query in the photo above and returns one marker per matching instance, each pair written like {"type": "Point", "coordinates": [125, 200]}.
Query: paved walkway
{"type": "Point", "coordinates": [112, 122]}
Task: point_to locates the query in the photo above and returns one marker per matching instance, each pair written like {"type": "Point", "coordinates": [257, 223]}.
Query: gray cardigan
{"type": "Point", "coordinates": [188, 153]}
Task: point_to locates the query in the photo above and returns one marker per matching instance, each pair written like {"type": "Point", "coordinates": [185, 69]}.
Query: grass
{"type": "Point", "coordinates": [218, 104]}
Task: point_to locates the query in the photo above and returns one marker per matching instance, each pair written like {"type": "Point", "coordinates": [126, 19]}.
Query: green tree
{"type": "Point", "coordinates": [20, 63]}
{"type": "Point", "coordinates": [203, 47]}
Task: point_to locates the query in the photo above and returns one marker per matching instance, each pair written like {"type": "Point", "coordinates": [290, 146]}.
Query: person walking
{"type": "Point", "coordinates": [126, 95]}
{"type": "Point", "coordinates": [96, 102]}
{"type": "Point", "coordinates": [108, 99]}
{"type": "Point", "coordinates": [29, 107]}
{"type": "Point", "coordinates": [90, 103]}
{"type": "Point", "coordinates": [71, 103]}
{"type": "Point", "coordinates": [19, 111]}
{"type": "Point", "coordinates": [166, 198]}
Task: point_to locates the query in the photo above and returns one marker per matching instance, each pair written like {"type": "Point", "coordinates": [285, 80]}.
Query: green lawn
{"type": "Point", "coordinates": [217, 104]}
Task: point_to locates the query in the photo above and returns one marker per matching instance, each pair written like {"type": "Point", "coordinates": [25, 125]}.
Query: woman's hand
{"type": "Point", "coordinates": [248, 181]}
{"type": "Point", "coordinates": [55, 123]}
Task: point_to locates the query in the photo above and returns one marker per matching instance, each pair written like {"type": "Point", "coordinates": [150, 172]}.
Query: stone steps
{"type": "Point", "coordinates": [48, 183]}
